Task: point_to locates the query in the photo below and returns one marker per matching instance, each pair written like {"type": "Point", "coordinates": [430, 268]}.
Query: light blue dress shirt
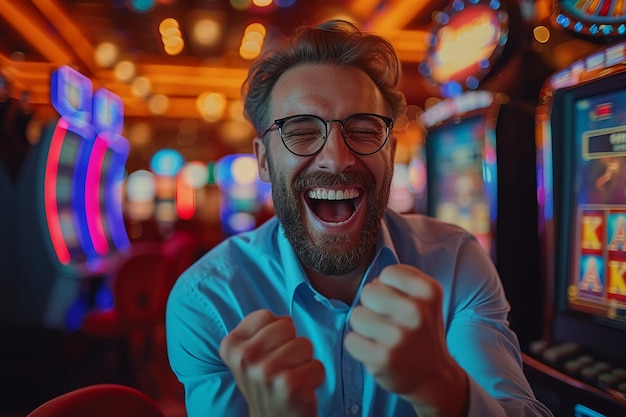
{"type": "Point", "coordinates": [259, 270]}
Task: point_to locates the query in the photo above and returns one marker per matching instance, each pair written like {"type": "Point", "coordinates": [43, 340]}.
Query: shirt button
{"type": "Point", "coordinates": [354, 408]}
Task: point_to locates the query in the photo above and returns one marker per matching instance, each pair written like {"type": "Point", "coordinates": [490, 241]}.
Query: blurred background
{"type": "Point", "coordinates": [125, 157]}
{"type": "Point", "coordinates": [178, 65]}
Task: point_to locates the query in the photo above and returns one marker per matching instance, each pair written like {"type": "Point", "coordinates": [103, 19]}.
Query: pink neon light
{"type": "Point", "coordinates": [50, 195]}
{"type": "Point", "coordinates": [92, 197]}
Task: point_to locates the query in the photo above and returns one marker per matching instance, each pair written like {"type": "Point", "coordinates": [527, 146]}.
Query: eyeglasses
{"type": "Point", "coordinates": [306, 134]}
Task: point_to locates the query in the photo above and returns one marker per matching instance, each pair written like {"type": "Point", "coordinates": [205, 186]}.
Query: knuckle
{"type": "Point", "coordinates": [304, 347]}
{"type": "Point", "coordinates": [264, 315]}
{"type": "Point", "coordinates": [286, 383]}
{"type": "Point", "coordinates": [288, 327]}
{"type": "Point", "coordinates": [394, 336]}
{"type": "Point", "coordinates": [228, 349]}
{"type": "Point", "coordinates": [247, 354]}
{"type": "Point", "coordinates": [264, 372]}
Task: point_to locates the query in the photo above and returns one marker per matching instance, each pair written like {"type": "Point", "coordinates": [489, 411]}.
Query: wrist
{"type": "Point", "coordinates": [446, 396]}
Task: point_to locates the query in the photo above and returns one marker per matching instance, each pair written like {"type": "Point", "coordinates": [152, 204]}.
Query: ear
{"type": "Point", "coordinates": [393, 142]}
{"type": "Point", "coordinates": [261, 156]}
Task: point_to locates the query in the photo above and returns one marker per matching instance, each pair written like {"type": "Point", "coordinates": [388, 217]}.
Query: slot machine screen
{"type": "Point", "coordinates": [456, 188]}
{"type": "Point", "coordinates": [589, 157]}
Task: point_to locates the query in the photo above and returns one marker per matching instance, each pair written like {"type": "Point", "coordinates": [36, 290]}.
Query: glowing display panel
{"type": "Point", "coordinates": [457, 191]}
{"type": "Point", "coordinates": [598, 282]}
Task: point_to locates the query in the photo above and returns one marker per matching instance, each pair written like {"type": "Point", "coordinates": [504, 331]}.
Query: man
{"type": "Point", "coordinates": [340, 306]}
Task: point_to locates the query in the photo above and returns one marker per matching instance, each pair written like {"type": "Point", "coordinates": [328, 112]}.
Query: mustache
{"type": "Point", "coordinates": [305, 181]}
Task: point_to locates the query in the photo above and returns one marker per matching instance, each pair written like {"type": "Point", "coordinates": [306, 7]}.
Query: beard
{"type": "Point", "coordinates": [331, 254]}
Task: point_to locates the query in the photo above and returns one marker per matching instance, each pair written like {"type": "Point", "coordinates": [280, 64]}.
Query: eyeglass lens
{"type": "Point", "coordinates": [305, 135]}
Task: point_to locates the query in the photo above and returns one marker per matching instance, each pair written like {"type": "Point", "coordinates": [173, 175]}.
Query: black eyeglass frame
{"type": "Point", "coordinates": [280, 122]}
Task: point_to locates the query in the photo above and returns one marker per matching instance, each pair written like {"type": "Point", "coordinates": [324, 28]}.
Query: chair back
{"type": "Point", "coordinates": [101, 400]}
{"type": "Point", "coordinates": [141, 285]}
{"type": "Point", "coordinates": [182, 248]}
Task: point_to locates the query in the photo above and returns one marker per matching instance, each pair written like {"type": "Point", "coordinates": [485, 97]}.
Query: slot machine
{"type": "Point", "coordinates": [577, 368]}
{"type": "Point", "coordinates": [69, 226]}
{"type": "Point", "coordinates": [480, 146]}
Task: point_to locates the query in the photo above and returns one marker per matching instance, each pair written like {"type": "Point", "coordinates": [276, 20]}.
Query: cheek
{"type": "Point", "coordinates": [285, 165]}
{"type": "Point", "coordinates": [382, 167]}
{"type": "Point", "coordinates": [281, 170]}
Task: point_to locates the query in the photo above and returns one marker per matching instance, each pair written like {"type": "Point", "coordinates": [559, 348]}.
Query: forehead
{"type": "Point", "coordinates": [325, 90]}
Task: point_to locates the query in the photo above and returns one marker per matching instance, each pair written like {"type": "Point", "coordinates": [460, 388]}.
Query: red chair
{"type": "Point", "coordinates": [182, 248]}
{"type": "Point", "coordinates": [141, 286]}
{"type": "Point", "coordinates": [102, 400]}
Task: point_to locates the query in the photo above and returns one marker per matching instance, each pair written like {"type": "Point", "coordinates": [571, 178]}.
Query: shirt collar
{"type": "Point", "coordinates": [292, 268]}
{"type": "Point", "coordinates": [295, 276]}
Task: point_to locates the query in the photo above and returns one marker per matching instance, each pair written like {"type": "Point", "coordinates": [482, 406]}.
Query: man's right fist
{"type": "Point", "coordinates": [274, 369]}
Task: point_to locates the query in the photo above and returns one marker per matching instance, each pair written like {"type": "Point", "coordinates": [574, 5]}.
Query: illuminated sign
{"type": "Point", "coordinates": [84, 170]}
{"type": "Point", "coordinates": [465, 42]}
{"type": "Point", "coordinates": [597, 19]}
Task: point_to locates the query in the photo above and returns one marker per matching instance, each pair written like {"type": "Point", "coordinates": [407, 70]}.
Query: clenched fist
{"type": "Point", "coordinates": [398, 334]}
{"type": "Point", "coordinates": [274, 369]}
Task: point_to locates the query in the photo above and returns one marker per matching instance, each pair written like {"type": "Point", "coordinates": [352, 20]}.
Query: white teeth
{"type": "Point", "coordinates": [323, 194]}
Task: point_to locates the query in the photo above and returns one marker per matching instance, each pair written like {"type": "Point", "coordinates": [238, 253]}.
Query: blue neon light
{"type": "Point", "coordinates": [71, 95]}
{"type": "Point", "coordinates": [167, 162]}
{"type": "Point", "coordinates": [584, 411]}
{"type": "Point", "coordinates": [108, 112]}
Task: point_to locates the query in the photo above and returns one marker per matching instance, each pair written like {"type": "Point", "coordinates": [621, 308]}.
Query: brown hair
{"type": "Point", "coordinates": [336, 42]}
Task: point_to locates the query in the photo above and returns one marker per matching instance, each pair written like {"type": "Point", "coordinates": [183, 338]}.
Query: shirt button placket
{"type": "Point", "coordinates": [352, 376]}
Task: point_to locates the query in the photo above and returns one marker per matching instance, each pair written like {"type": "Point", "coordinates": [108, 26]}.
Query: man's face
{"type": "Point", "coordinates": [331, 203]}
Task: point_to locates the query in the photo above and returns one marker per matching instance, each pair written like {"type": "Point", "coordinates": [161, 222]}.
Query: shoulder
{"type": "Point", "coordinates": [233, 261]}
{"type": "Point", "coordinates": [424, 228]}
{"type": "Point", "coordinates": [449, 254]}
{"type": "Point", "coordinates": [436, 247]}
{"type": "Point", "coordinates": [248, 250]}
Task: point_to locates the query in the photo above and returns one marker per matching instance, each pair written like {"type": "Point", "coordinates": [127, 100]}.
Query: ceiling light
{"type": "Point", "coordinates": [106, 54]}
{"type": "Point", "coordinates": [141, 87]}
{"type": "Point", "coordinates": [167, 24]}
{"type": "Point", "coordinates": [125, 71]}
{"type": "Point", "coordinates": [541, 34]}
{"type": "Point", "coordinates": [211, 106]}
{"type": "Point", "coordinates": [158, 104]}
{"type": "Point", "coordinates": [206, 32]}
{"type": "Point", "coordinates": [173, 45]}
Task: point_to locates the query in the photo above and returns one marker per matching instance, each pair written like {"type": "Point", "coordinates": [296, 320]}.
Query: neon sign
{"type": "Point", "coordinates": [84, 170]}
{"type": "Point", "coordinates": [466, 40]}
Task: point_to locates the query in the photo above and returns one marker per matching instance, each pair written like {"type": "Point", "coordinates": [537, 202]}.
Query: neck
{"type": "Point", "coordinates": [343, 287]}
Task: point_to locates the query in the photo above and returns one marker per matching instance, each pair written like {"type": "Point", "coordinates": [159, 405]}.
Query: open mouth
{"type": "Point", "coordinates": [334, 205]}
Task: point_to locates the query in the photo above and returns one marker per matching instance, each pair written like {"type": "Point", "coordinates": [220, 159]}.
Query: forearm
{"type": "Point", "coordinates": [448, 396]}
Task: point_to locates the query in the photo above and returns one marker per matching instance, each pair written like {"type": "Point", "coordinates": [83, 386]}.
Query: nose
{"type": "Point", "coordinates": [335, 156]}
